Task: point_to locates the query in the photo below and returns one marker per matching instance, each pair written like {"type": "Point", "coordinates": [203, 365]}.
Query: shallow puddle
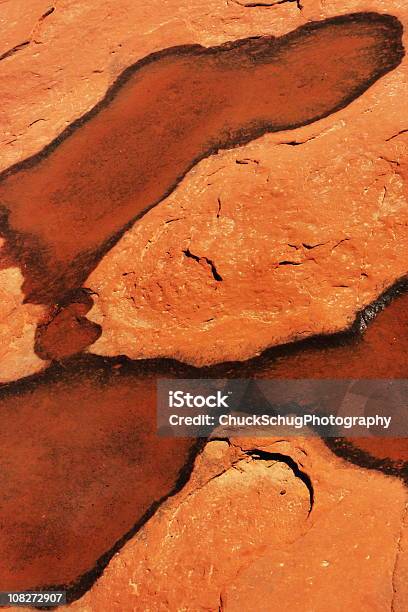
{"type": "Point", "coordinates": [64, 208]}
{"type": "Point", "coordinates": [81, 466]}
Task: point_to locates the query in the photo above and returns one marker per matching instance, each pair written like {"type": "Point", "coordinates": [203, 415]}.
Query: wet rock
{"type": "Point", "coordinates": [271, 242]}
{"type": "Point", "coordinates": [349, 357]}
{"type": "Point", "coordinates": [66, 331]}
{"type": "Point", "coordinates": [81, 467]}
{"type": "Point", "coordinates": [42, 63]}
{"type": "Point", "coordinates": [282, 239]}
{"type": "Point", "coordinates": [49, 81]}
{"type": "Point", "coordinates": [87, 187]}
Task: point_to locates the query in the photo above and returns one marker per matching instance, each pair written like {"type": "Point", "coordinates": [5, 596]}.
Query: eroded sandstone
{"type": "Point", "coordinates": [301, 247]}
{"type": "Point", "coordinates": [226, 265]}
{"type": "Point", "coordinates": [82, 431]}
{"type": "Point", "coordinates": [286, 237]}
{"type": "Point", "coordinates": [18, 324]}
{"type": "Point", "coordinates": [336, 224]}
{"type": "Point", "coordinates": [241, 536]}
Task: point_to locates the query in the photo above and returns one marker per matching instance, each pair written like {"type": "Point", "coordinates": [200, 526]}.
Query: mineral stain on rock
{"type": "Point", "coordinates": [64, 208]}
{"type": "Point", "coordinates": [66, 331]}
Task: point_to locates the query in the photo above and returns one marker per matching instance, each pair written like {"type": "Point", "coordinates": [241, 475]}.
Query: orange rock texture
{"type": "Point", "coordinates": [264, 238]}
{"type": "Point", "coordinates": [273, 241]}
{"type": "Point", "coordinates": [83, 434]}
{"type": "Point", "coordinates": [303, 540]}
{"type": "Point", "coordinates": [18, 324]}
{"type": "Point", "coordinates": [85, 440]}
{"type": "Point", "coordinates": [283, 238]}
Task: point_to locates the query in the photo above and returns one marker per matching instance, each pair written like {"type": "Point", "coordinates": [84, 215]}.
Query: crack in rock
{"type": "Point", "coordinates": [268, 4]}
{"type": "Point", "coordinates": [31, 39]}
{"type": "Point", "coordinates": [261, 455]}
{"type": "Point", "coordinates": [396, 135]}
{"type": "Point", "coordinates": [14, 50]}
{"type": "Point", "coordinates": [211, 264]}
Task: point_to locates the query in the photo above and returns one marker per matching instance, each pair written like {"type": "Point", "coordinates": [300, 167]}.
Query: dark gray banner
{"type": "Point", "coordinates": [34, 599]}
{"type": "Point", "coordinates": [248, 407]}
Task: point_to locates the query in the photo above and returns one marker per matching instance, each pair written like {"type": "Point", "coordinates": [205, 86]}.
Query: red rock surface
{"type": "Point", "coordinates": [64, 209]}
{"type": "Point", "coordinates": [82, 432]}
{"type": "Point", "coordinates": [18, 323]}
{"type": "Point", "coordinates": [338, 193]}
{"type": "Point", "coordinates": [258, 246]}
{"type": "Point", "coordinates": [286, 237]}
{"type": "Point", "coordinates": [242, 538]}
{"type": "Point", "coordinates": [357, 549]}
{"type": "Point", "coordinates": [66, 331]}
{"type": "Point", "coordinates": [382, 352]}
{"type": "Point", "coordinates": [88, 427]}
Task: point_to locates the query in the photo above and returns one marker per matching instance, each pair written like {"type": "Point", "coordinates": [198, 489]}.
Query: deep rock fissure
{"type": "Point", "coordinates": [211, 264]}
{"type": "Point", "coordinates": [262, 455]}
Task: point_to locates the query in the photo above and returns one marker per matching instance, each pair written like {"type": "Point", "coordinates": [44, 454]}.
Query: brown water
{"type": "Point", "coordinates": [382, 352]}
{"type": "Point", "coordinates": [67, 206]}
{"type": "Point", "coordinates": [81, 464]}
